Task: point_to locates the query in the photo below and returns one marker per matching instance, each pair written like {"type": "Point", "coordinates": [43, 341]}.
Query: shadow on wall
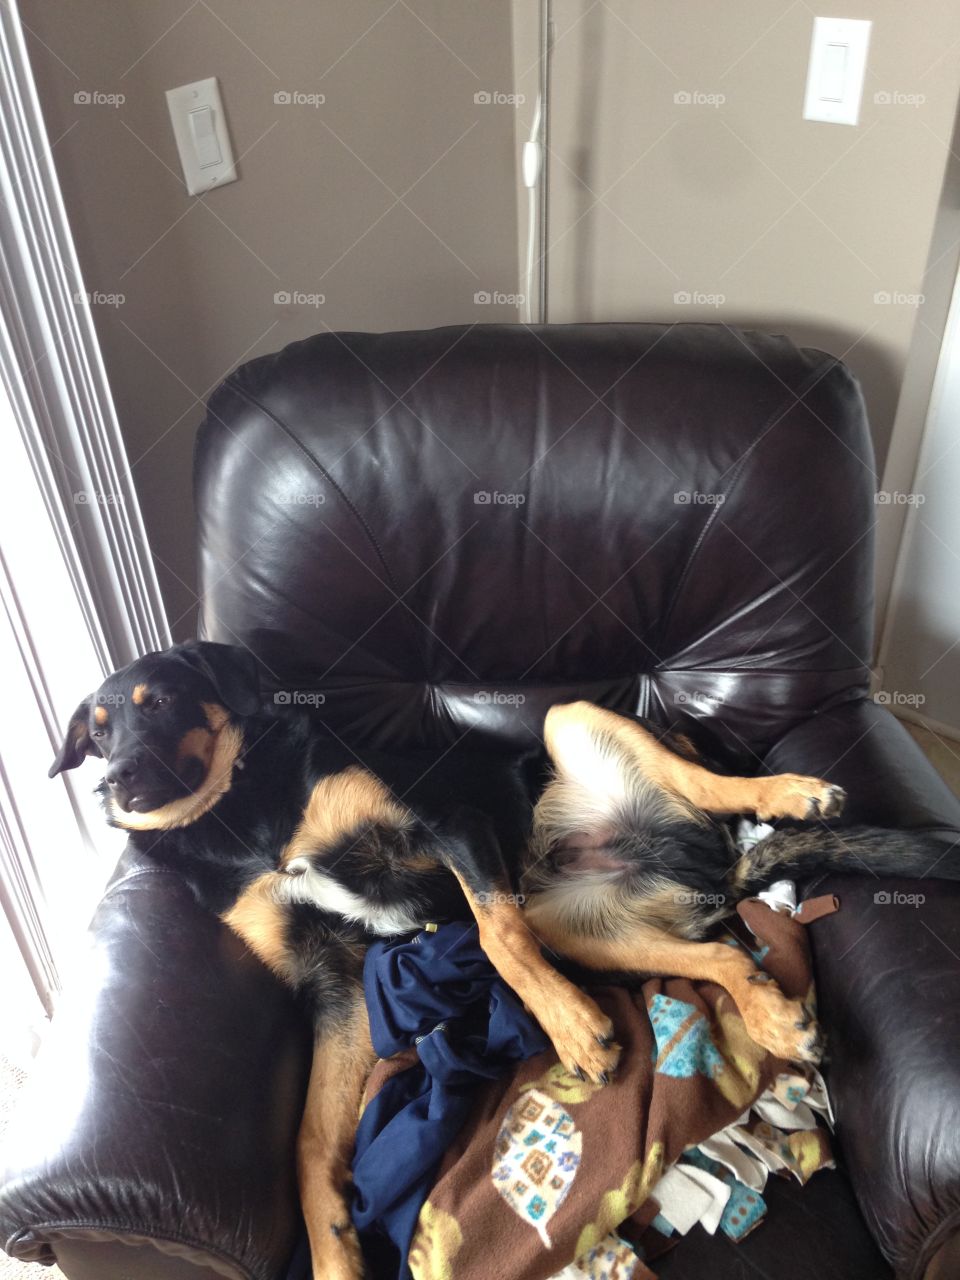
{"type": "Point", "coordinates": [686, 186]}
{"type": "Point", "coordinates": [585, 161]}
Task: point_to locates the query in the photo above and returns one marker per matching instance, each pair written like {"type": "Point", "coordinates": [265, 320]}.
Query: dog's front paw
{"type": "Point", "coordinates": [790, 795]}
{"type": "Point", "coordinates": [581, 1033]}
{"type": "Point", "coordinates": [785, 1028]}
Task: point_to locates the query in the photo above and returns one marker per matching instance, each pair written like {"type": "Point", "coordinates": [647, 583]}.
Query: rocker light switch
{"type": "Point", "coordinates": [833, 72]}
{"type": "Point", "coordinates": [203, 128]}
{"type": "Point", "coordinates": [200, 129]}
{"type": "Point", "coordinates": [838, 63]}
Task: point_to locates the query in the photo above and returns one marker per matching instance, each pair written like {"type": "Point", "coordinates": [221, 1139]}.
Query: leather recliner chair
{"type": "Point", "coordinates": [423, 533]}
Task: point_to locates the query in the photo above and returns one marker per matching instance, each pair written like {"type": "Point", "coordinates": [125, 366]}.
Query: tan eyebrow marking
{"type": "Point", "coordinates": [139, 694]}
{"type": "Point", "coordinates": [101, 715]}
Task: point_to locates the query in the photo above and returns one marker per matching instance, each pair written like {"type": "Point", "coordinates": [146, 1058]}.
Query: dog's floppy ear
{"type": "Point", "coordinates": [78, 744]}
{"type": "Point", "coordinates": [232, 671]}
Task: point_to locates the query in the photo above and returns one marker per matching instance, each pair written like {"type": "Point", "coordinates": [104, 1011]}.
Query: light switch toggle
{"type": "Point", "coordinates": [833, 73]}
{"type": "Point", "coordinates": [204, 130]}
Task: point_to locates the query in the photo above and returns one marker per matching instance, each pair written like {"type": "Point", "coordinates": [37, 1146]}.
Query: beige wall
{"type": "Point", "coordinates": [314, 210]}
{"type": "Point", "coordinates": [796, 225]}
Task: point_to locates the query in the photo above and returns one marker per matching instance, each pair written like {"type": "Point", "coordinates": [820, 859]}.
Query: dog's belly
{"type": "Point", "coordinates": [583, 851]}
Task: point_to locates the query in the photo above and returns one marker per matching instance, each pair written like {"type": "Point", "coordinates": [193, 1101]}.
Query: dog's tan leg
{"type": "Point", "coordinates": [581, 1032]}
{"type": "Point", "coordinates": [342, 1061]}
{"type": "Point", "coordinates": [782, 1026]}
{"type": "Point", "coordinates": [575, 726]}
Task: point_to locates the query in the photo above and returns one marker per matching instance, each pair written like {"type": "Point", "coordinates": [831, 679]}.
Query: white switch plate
{"type": "Point", "coordinates": [838, 63]}
{"type": "Point", "coordinates": [200, 129]}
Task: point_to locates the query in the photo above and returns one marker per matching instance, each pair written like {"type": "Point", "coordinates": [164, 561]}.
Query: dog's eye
{"type": "Point", "coordinates": [98, 733]}
{"type": "Point", "coordinates": [160, 703]}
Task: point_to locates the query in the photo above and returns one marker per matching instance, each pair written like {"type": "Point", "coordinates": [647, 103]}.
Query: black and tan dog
{"type": "Point", "coordinates": [308, 848]}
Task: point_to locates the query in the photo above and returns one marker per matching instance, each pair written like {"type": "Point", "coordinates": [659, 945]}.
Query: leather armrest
{"type": "Point", "coordinates": [156, 1136]}
{"type": "Point", "coordinates": [862, 747]}
{"type": "Point", "coordinates": [888, 978]}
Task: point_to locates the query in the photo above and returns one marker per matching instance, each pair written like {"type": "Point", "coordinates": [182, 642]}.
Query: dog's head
{"type": "Point", "coordinates": [166, 726]}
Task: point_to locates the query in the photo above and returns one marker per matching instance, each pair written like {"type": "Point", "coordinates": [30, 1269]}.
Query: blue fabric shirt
{"type": "Point", "coordinates": [439, 992]}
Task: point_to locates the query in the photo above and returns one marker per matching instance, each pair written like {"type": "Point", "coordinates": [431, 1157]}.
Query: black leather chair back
{"type": "Point", "coordinates": [458, 527]}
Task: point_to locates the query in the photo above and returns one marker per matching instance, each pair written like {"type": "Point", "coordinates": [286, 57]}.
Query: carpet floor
{"type": "Point", "coordinates": [12, 1079]}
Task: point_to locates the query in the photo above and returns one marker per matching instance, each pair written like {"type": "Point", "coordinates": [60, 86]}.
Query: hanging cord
{"type": "Point", "coordinates": [535, 162]}
{"type": "Point", "coordinates": [531, 170]}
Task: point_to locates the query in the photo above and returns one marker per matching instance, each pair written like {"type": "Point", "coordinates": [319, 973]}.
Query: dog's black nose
{"type": "Point", "coordinates": [123, 772]}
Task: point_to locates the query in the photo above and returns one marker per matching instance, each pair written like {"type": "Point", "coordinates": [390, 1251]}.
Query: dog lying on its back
{"type": "Point", "coordinates": [308, 849]}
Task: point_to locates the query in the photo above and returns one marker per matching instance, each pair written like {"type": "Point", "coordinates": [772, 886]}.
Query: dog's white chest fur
{"type": "Point", "coordinates": [306, 883]}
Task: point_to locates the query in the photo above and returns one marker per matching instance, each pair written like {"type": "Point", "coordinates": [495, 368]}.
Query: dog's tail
{"type": "Point", "coordinates": [793, 853]}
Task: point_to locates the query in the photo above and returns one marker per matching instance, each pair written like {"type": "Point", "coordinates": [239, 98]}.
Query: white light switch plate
{"type": "Point", "coordinates": [838, 63]}
{"type": "Point", "coordinates": [200, 129]}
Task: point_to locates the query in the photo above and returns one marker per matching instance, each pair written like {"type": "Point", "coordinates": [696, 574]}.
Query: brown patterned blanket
{"type": "Point", "coordinates": [556, 1177]}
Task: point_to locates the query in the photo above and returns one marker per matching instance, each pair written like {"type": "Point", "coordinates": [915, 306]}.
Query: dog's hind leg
{"type": "Point", "coordinates": [578, 734]}
{"type": "Point", "coordinates": [581, 1032]}
{"type": "Point", "coordinates": [784, 1027]}
{"type": "Point", "coordinates": [326, 968]}
{"type": "Point", "coordinates": [342, 1060]}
